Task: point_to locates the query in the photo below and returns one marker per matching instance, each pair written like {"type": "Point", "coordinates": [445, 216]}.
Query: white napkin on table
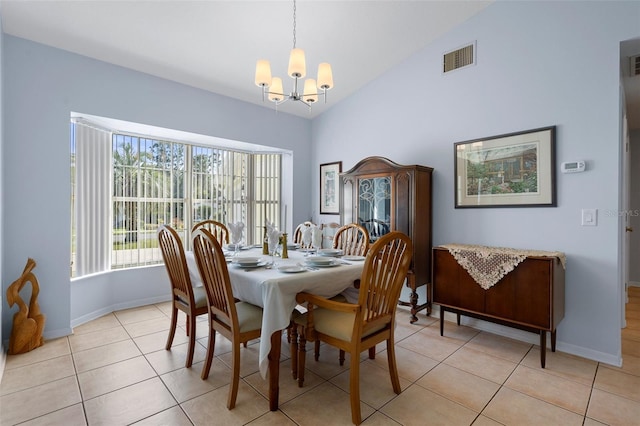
{"type": "Point", "coordinates": [273, 235]}
{"type": "Point", "coordinates": [236, 230]}
{"type": "Point", "coordinates": [316, 233]}
{"type": "Point", "coordinates": [307, 236]}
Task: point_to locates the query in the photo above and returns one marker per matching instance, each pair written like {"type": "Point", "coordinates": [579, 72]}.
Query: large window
{"type": "Point", "coordinates": [124, 186]}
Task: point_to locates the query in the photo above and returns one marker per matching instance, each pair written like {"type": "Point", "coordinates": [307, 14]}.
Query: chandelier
{"type": "Point", "coordinates": [272, 87]}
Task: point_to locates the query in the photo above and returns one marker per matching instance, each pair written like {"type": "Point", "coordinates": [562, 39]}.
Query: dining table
{"type": "Point", "coordinates": [274, 288]}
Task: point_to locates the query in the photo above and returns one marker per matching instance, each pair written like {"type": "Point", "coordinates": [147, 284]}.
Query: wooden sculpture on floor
{"type": "Point", "coordinates": [28, 322]}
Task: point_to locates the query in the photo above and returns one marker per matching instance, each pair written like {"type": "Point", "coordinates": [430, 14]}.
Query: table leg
{"type": "Point", "coordinates": [274, 369]}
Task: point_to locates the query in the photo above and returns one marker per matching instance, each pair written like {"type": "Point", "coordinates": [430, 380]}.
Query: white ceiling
{"type": "Point", "coordinates": [214, 45]}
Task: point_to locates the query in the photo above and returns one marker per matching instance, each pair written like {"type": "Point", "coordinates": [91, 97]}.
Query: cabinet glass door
{"type": "Point", "coordinates": [374, 205]}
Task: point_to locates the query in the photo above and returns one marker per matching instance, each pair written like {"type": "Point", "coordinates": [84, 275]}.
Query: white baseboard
{"type": "Point", "coordinates": [54, 334]}
{"type": "Point", "coordinates": [528, 337]}
{"type": "Point", "coordinates": [117, 307]}
{"type": "Point", "coordinates": [633, 283]}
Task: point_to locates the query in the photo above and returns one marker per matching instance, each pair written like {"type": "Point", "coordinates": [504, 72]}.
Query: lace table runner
{"type": "Point", "coordinates": [487, 265]}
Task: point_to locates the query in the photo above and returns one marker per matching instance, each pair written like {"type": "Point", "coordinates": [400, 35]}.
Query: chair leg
{"type": "Point", "coordinates": [393, 368]}
{"type": "Point", "coordinates": [235, 378]}
{"type": "Point", "coordinates": [293, 337]}
{"type": "Point", "coordinates": [354, 389]}
{"type": "Point", "coordinates": [172, 329]}
{"type": "Point", "coordinates": [191, 322]}
{"type": "Point", "coordinates": [372, 352]}
{"type": "Point", "coordinates": [316, 350]}
{"type": "Point", "coordinates": [341, 357]}
{"type": "Point", "coordinates": [187, 325]}
{"type": "Point", "coordinates": [302, 357]}
{"type": "Point", "coordinates": [211, 345]}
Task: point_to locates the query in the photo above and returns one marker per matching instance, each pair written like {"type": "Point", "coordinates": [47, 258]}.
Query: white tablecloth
{"type": "Point", "coordinates": [276, 291]}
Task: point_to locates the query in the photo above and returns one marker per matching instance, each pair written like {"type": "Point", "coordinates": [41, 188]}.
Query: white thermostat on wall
{"type": "Point", "coordinates": [573, 167]}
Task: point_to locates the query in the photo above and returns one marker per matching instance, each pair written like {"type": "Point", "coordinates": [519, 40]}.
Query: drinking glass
{"type": "Point", "coordinates": [273, 247]}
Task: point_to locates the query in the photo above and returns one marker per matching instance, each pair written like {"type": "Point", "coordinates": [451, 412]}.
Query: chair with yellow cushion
{"type": "Point", "coordinates": [357, 327]}
{"type": "Point", "coordinates": [238, 321]}
{"type": "Point", "coordinates": [353, 240]}
{"type": "Point", "coordinates": [190, 300]}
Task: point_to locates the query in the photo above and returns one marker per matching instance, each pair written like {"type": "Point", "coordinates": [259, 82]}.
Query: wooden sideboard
{"type": "Point", "coordinates": [530, 297]}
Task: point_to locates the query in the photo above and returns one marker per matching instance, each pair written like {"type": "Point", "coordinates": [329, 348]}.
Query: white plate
{"type": "Point", "coordinates": [291, 269]}
{"type": "Point", "coordinates": [353, 258]}
{"type": "Point", "coordinates": [329, 252]}
{"type": "Point", "coordinates": [250, 266]}
{"type": "Point", "coordinates": [326, 265]}
{"type": "Point", "coordinates": [320, 260]}
{"type": "Point", "coordinates": [247, 260]}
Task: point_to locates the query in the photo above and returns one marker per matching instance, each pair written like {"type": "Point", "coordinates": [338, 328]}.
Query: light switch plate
{"type": "Point", "coordinates": [589, 217]}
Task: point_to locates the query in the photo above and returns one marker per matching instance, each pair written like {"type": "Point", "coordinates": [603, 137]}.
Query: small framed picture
{"type": "Point", "coordinates": [329, 187]}
{"type": "Point", "coordinates": [511, 170]}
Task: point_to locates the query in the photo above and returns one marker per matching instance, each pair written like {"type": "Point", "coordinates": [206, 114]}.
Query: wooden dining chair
{"type": "Point", "coordinates": [357, 327]}
{"type": "Point", "coordinates": [190, 300]}
{"type": "Point", "coordinates": [217, 229]}
{"type": "Point", "coordinates": [376, 228]}
{"type": "Point", "coordinates": [328, 233]}
{"type": "Point", "coordinates": [352, 239]}
{"type": "Point", "coordinates": [297, 235]}
{"type": "Point", "coordinates": [238, 321]}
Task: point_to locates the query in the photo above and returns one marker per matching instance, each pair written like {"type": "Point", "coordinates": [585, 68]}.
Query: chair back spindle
{"type": "Point", "coordinates": [352, 239]}
{"type": "Point", "coordinates": [218, 229]}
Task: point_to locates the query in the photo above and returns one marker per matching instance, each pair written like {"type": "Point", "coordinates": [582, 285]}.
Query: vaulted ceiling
{"type": "Point", "coordinates": [214, 45]}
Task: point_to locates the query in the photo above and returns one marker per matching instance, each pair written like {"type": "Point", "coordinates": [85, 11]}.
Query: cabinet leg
{"type": "Point", "coordinates": [413, 300]}
{"type": "Point", "coordinates": [441, 321]}
{"type": "Point", "coordinates": [458, 319]}
{"type": "Point", "coordinates": [553, 341]}
{"type": "Point", "coordinates": [543, 348]}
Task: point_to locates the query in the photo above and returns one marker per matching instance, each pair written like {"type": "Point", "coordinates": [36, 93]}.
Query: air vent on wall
{"type": "Point", "coordinates": [459, 58]}
{"type": "Point", "coordinates": [634, 61]}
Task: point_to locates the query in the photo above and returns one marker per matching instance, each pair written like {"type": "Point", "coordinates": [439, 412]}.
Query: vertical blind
{"type": "Point", "coordinates": [92, 199]}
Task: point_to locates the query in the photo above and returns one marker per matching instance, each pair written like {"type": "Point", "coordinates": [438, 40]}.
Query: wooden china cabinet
{"type": "Point", "coordinates": [384, 196]}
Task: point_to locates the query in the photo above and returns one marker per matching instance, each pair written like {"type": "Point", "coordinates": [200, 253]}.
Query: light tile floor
{"type": "Point", "coordinates": [115, 370]}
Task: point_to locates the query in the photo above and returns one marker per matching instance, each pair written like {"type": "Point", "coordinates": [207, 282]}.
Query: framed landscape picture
{"type": "Point", "coordinates": [329, 187]}
{"type": "Point", "coordinates": [511, 170]}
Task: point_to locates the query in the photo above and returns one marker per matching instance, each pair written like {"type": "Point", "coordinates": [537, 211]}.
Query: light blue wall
{"type": "Point", "coordinates": [43, 85]}
{"type": "Point", "coordinates": [2, 353]}
{"type": "Point", "coordinates": [538, 64]}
